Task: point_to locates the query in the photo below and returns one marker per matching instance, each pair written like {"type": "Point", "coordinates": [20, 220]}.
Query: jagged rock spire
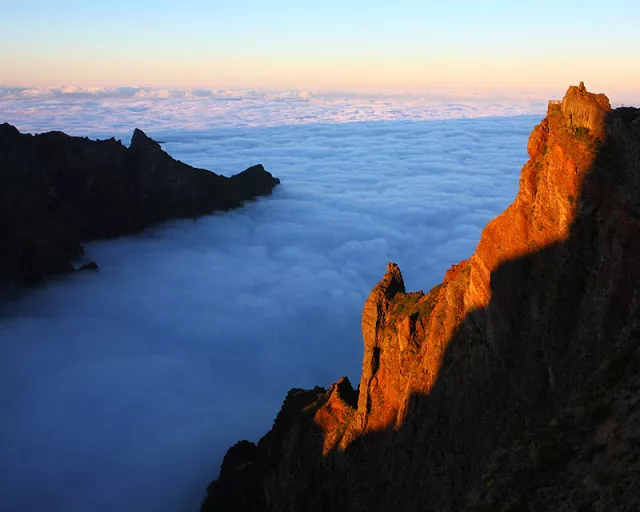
{"type": "Point", "coordinates": [374, 316]}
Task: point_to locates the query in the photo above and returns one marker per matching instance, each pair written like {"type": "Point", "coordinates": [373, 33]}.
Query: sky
{"type": "Point", "coordinates": [121, 390]}
{"type": "Point", "coordinates": [401, 46]}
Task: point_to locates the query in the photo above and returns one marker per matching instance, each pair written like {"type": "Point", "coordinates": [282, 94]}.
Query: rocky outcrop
{"type": "Point", "coordinates": [57, 191]}
{"type": "Point", "coordinates": [378, 399]}
{"type": "Point", "coordinates": [512, 385]}
{"type": "Point", "coordinates": [581, 109]}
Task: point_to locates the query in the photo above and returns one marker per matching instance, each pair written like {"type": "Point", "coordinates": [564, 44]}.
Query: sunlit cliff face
{"type": "Point", "coordinates": [562, 150]}
{"type": "Point", "coordinates": [406, 335]}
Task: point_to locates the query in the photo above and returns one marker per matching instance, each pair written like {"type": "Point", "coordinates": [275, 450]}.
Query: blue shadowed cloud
{"type": "Point", "coordinates": [121, 390]}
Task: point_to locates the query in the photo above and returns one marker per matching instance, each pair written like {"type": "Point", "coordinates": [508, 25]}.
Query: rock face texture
{"type": "Point", "coordinates": [585, 110]}
{"type": "Point", "coordinates": [57, 191]}
{"type": "Point", "coordinates": [512, 385]}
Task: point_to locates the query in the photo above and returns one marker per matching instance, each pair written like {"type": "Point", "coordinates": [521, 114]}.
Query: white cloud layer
{"type": "Point", "coordinates": [103, 110]}
{"type": "Point", "coordinates": [121, 390]}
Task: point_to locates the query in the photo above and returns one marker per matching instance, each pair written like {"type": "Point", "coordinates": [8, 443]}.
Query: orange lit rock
{"type": "Point", "coordinates": [378, 398]}
{"type": "Point", "coordinates": [336, 412]}
{"type": "Point", "coordinates": [583, 109]}
{"type": "Point", "coordinates": [487, 393]}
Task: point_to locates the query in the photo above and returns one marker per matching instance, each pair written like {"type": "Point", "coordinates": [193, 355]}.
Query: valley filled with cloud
{"type": "Point", "coordinates": [123, 389]}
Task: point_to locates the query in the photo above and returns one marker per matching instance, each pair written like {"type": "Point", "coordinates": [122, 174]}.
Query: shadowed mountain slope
{"type": "Point", "coordinates": [512, 385]}
{"type": "Point", "coordinates": [57, 191]}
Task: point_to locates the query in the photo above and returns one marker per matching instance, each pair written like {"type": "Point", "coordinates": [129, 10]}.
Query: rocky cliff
{"type": "Point", "coordinates": [57, 191]}
{"type": "Point", "coordinates": [512, 385]}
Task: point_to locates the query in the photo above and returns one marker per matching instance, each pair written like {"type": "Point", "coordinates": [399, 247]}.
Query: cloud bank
{"type": "Point", "coordinates": [117, 110]}
{"type": "Point", "coordinates": [121, 390]}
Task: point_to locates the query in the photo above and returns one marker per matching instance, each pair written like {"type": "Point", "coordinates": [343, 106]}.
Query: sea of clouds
{"type": "Point", "coordinates": [105, 111]}
{"type": "Point", "coordinates": [121, 390]}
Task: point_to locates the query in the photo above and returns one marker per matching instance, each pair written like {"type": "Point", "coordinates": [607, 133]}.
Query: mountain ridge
{"type": "Point", "coordinates": [58, 191]}
{"type": "Point", "coordinates": [516, 340]}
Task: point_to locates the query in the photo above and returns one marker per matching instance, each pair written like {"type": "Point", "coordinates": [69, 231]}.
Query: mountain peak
{"type": "Point", "coordinates": [583, 109]}
{"type": "Point", "coordinates": [391, 283]}
{"type": "Point", "coordinates": [140, 141]}
{"type": "Point", "coordinates": [481, 394]}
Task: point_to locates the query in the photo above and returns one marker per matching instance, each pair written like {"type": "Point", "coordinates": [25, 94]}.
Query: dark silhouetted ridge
{"type": "Point", "coordinates": [57, 191]}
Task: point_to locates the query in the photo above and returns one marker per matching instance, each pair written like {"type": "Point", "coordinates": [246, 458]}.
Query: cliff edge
{"type": "Point", "coordinates": [512, 385]}
{"type": "Point", "coordinates": [57, 191]}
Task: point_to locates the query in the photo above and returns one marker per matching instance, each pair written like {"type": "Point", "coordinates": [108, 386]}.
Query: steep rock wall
{"type": "Point", "coordinates": [494, 390]}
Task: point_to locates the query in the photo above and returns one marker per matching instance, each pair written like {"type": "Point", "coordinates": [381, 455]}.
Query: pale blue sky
{"type": "Point", "coordinates": [346, 45]}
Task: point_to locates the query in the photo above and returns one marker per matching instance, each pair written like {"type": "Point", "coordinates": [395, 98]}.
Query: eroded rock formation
{"type": "Point", "coordinates": [57, 191]}
{"type": "Point", "coordinates": [512, 385]}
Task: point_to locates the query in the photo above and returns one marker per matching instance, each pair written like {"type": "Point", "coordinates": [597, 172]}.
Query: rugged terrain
{"type": "Point", "coordinates": [512, 385]}
{"type": "Point", "coordinates": [57, 191]}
